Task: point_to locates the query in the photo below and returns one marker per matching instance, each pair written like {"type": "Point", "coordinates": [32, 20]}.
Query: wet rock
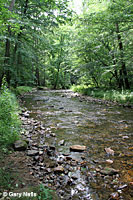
{"type": "Point", "coordinates": [73, 163]}
{"type": "Point", "coordinates": [52, 134]}
{"type": "Point", "coordinates": [122, 187]}
{"type": "Point", "coordinates": [59, 169]}
{"type": "Point", "coordinates": [49, 170]}
{"type": "Point", "coordinates": [49, 152]}
{"type": "Point", "coordinates": [114, 195]}
{"type": "Point", "coordinates": [61, 142]}
{"type": "Point", "coordinates": [32, 152]}
{"type": "Point", "coordinates": [40, 152]}
{"type": "Point", "coordinates": [109, 161]}
{"type": "Point", "coordinates": [73, 175]}
{"type": "Point", "coordinates": [70, 182]}
{"type": "Point", "coordinates": [61, 108]}
{"type": "Point", "coordinates": [25, 114]}
{"type": "Point", "coordinates": [109, 151]}
{"type": "Point", "coordinates": [76, 122]}
{"type": "Point", "coordinates": [36, 158]}
{"type": "Point", "coordinates": [52, 147]}
{"type": "Point", "coordinates": [20, 145]}
{"type": "Point", "coordinates": [125, 137]}
{"type": "Point", "coordinates": [97, 170]}
{"type": "Point", "coordinates": [77, 148]}
{"type": "Point", "coordinates": [60, 158]}
{"type": "Point", "coordinates": [51, 164]}
{"type": "Point", "coordinates": [109, 171]}
{"type": "Point", "coordinates": [68, 158]}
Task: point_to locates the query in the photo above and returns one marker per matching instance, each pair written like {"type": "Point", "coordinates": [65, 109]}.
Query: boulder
{"type": "Point", "coordinates": [20, 145]}
{"type": "Point", "coordinates": [77, 148]}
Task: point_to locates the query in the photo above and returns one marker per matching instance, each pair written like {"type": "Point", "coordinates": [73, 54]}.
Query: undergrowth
{"type": "Point", "coordinates": [20, 90]}
{"type": "Point", "coordinates": [9, 120]}
{"type": "Point", "coordinates": [121, 96]}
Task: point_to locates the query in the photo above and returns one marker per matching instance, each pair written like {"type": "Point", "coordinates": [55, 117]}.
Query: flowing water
{"type": "Point", "coordinates": [95, 125]}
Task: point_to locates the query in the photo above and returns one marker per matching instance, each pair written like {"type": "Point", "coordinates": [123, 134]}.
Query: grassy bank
{"type": "Point", "coordinates": [120, 96]}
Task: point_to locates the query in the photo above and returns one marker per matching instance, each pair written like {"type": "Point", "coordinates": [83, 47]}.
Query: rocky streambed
{"type": "Point", "coordinates": [82, 149]}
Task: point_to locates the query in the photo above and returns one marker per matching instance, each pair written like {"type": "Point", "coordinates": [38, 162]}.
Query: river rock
{"type": "Point", "coordinates": [52, 134]}
{"type": "Point", "coordinates": [25, 114]}
{"type": "Point", "coordinates": [109, 171]}
{"type": "Point", "coordinates": [59, 169]}
{"type": "Point", "coordinates": [109, 161]}
{"type": "Point", "coordinates": [109, 151]}
{"type": "Point", "coordinates": [20, 145]}
{"type": "Point", "coordinates": [73, 175]}
{"type": "Point", "coordinates": [51, 164]}
{"type": "Point", "coordinates": [32, 152]}
{"type": "Point", "coordinates": [122, 187]}
{"type": "Point", "coordinates": [77, 148]}
{"type": "Point", "coordinates": [125, 137]}
{"type": "Point", "coordinates": [61, 108]}
{"type": "Point", "coordinates": [52, 147]}
{"type": "Point", "coordinates": [61, 142]}
{"type": "Point", "coordinates": [114, 195]}
{"type": "Point", "coordinates": [40, 152]}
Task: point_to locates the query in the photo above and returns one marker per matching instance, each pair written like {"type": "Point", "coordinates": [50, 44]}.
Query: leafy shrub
{"type": "Point", "coordinates": [9, 120]}
{"type": "Point", "coordinates": [20, 90]}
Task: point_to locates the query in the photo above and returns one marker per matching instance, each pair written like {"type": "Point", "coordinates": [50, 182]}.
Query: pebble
{"type": "Point", "coordinates": [32, 152]}
{"type": "Point", "coordinates": [77, 148]}
{"type": "Point", "coordinates": [59, 169]}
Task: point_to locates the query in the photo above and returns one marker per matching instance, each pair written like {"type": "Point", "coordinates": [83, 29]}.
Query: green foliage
{"type": "Point", "coordinates": [44, 193]}
{"type": "Point", "coordinates": [6, 179]}
{"type": "Point", "coordinates": [24, 38]}
{"type": "Point", "coordinates": [121, 96]}
{"type": "Point", "coordinates": [102, 48]}
{"type": "Point", "coordinates": [7, 183]}
{"type": "Point", "coordinates": [20, 90]}
{"type": "Point", "coordinates": [47, 46]}
{"type": "Point", "coordinates": [9, 120]}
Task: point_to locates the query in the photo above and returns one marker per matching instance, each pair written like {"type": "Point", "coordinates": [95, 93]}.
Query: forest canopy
{"type": "Point", "coordinates": [47, 43]}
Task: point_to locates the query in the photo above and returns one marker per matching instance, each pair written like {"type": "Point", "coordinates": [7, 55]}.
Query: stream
{"type": "Point", "coordinates": [104, 169]}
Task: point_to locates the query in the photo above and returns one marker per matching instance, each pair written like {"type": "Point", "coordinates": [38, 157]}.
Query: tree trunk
{"type": "Point", "coordinates": [7, 48]}
{"type": "Point", "coordinates": [37, 76]}
{"type": "Point", "coordinates": [123, 71]}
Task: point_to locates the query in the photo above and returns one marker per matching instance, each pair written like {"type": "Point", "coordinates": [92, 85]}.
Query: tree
{"type": "Point", "coordinates": [103, 51]}
{"type": "Point", "coordinates": [34, 18]}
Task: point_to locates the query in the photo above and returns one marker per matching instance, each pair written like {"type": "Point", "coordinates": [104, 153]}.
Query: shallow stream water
{"type": "Point", "coordinates": [96, 126]}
